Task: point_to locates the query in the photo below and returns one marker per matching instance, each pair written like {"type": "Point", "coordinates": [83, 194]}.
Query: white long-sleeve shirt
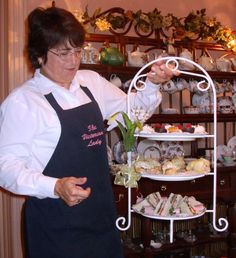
{"type": "Point", "coordinates": [30, 128]}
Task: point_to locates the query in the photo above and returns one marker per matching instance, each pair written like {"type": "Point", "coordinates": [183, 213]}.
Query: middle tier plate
{"type": "Point", "coordinates": [173, 136]}
{"type": "Point", "coordinates": [177, 177]}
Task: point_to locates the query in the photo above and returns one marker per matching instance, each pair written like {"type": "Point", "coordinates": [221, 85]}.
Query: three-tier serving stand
{"type": "Point", "coordinates": [205, 84]}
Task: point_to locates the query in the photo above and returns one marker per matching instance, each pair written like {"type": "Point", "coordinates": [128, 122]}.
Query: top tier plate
{"type": "Point", "coordinates": [172, 136]}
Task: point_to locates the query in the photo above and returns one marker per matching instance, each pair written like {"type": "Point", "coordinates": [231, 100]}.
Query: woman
{"type": "Point", "coordinates": [52, 144]}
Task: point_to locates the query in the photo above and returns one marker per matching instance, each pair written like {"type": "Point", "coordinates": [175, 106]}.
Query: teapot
{"type": "Point", "coordinates": [114, 79]}
{"type": "Point", "coordinates": [184, 64]}
{"type": "Point", "coordinates": [90, 55]}
{"type": "Point", "coordinates": [111, 56]}
{"type": "Point", "coordinates": [206, 62]}
{"type": "Point", "coordinates": [223, 64]}
{"type": "Point", "coordinates": [225, 104]}
{"type": "Point", "coordinates": [137, 58]}
{"type": "Point", "coordinates": [233, 61]}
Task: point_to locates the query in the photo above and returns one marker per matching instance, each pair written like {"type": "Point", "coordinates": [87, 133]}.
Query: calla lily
{"type": "Point", "coordinates": [127, 130]}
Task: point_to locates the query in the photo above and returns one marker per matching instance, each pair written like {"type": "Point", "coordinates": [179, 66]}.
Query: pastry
{"type": "Point", "coordinates": [147, 129]}
{"type": "Point", "coordinates": [159, 128]}
{"type": "Point", "coordinates": [179, 163]}
{"type": "Point", "coordinates": [199, 165]}
{"type": "Point", "coordinates": [168, 168]}
{"type": "Point", "coordinates": [173, 129]}
{"type": "Point", "coordinates": [199, 129]}
{"type": "Point", "coordinates": [151, 166]}
{"type": "Point", "coordinates": [188, 128]}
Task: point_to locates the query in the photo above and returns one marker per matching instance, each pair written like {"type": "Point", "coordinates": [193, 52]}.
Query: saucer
{"type": "Point", "coordinates": [229, 164]}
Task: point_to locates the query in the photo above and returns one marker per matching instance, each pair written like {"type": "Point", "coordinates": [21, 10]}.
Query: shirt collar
{"type": "Point", "coordinates": [46, 86]}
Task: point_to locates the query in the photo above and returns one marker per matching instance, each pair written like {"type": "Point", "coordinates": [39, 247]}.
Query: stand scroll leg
{"type": "Point", "coordinates": [232, 230]}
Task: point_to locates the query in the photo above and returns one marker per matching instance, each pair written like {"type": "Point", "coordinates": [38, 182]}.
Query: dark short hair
{"type": "Point", "coordinates": [49, 28]}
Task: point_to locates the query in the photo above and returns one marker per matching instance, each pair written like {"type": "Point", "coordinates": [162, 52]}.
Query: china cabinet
{"type": "Point", "coordinates": [210, 187]}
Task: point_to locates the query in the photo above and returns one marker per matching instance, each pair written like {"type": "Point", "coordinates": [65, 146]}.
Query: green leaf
{"type": "Point", "coordinates": [122, 128]}
{"type": "Point", "coordinates": [127, 121]}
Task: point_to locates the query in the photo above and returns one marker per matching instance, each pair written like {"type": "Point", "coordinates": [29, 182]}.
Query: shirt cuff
{"type": "Point", "coordinates": [46, 186]}
{"type": "Point", "coordinates": [151, 84]}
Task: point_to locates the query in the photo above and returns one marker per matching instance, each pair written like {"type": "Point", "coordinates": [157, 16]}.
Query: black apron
{"type": "Point", "coordinates": [86, 230]}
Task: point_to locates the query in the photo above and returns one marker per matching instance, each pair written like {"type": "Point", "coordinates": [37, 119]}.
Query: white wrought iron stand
{"type": "Point", "coordinates": [206, 80]}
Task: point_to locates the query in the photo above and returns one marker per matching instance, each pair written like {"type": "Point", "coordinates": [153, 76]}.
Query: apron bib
{"type": "Point", "coordinates": [86, 230]}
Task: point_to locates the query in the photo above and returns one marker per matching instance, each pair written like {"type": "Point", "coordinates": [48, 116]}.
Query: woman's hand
{"type": "Point", "coordinates": [160, 73]}
{"type": "Point", "coordinates": [71, 191]}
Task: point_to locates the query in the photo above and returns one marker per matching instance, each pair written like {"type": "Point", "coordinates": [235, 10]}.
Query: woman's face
{"type": "Point", "coordinates": [62, 64]}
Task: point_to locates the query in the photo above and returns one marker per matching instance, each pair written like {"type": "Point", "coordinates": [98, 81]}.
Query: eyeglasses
{"type": "Point", "coordinates": [65, 54]}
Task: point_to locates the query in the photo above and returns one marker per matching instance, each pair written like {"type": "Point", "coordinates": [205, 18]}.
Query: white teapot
{"type": "Point", "coordinates": [185, 65]}
{"type": "Point", "coordinates": [206, 62]}
{"type": "Point", "coordinates": [233, 61]}
{"type": "Point", "coordinates": [90, 55]}
{"type": "Point", "coordinates": [223, 64]}
{"type": "Point", "coordinates": [114, 79]}
{"type": "Point", "coordinates": [225, 104]}
{"type": "Point", "coordinates": [137, 58]}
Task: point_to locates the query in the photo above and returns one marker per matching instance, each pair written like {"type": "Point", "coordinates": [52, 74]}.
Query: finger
{"type": "Point", "coordinates": [75, 199]}
{"type": "Point", "coordinates": [84, 193]}
{"type": "Point", "coordinates": [79, 180]}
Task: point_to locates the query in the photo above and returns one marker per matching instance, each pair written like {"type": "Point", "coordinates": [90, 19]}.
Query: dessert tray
{"type": "Point", "coordinates": [204, 85]}
{"type": "Point", "coordinates": [172, 136]}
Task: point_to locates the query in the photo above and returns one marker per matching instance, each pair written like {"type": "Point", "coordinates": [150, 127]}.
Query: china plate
{"type": "Point", "coordinates": [172, 136]}
{"type": "Point", "coordinates": [229, 164]}
{"type": "Point", "coordinates": [185, 176]}
{"type": "Point", "coordinates": [232, 143]}
{"type": "Point", "coordinates": [221, 150]}
{"type": "Point", "coordinates": [149, 149]}
{"type": "Point", "coordinates": [179, 217]}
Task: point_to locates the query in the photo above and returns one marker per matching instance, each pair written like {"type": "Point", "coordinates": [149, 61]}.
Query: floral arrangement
{"type": "Point", "coordinates": [127, 176]}
{"type": "Point", "coordinates": [196, 25]}
{"type": "Point", "coordinates": [127, 129]}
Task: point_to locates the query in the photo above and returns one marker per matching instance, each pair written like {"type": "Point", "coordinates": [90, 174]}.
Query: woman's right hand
{"type": "Point", "coordinates": [71, 191]}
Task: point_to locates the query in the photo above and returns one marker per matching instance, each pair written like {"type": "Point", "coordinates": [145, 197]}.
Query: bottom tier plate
{"type": "Point", "coordinates": [179, 217]}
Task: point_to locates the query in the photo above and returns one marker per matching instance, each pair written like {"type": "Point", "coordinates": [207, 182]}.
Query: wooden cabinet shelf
{"type": "Point", "coordinates": [129, 71]}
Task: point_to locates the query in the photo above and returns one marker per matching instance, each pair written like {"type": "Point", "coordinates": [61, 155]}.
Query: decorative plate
{"type": "Point", "coordinates": [149, 149]}
{"type": "Point", "coordinates": [221, 150]}
{"type": "Point", "coordinates": [232, 143]}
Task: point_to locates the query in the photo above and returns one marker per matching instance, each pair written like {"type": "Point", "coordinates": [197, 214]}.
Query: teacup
{"type": "Point", "coordinates": [114, 79]}
{"type": "Point", "coordinates": [191, 110]}
{"type": "Point", "coordinates": [169, 87]}
{"type": "Point", "coordinates": [228, 160]}
{"type": "Point", "coordinates": [225, 104]}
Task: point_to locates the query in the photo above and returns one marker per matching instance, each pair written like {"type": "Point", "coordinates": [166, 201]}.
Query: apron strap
{"type": "Point", "coordinates": [50, 98]}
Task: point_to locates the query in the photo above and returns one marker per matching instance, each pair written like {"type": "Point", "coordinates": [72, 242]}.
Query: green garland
{"type": "Point", "coordinates": [196, 25]}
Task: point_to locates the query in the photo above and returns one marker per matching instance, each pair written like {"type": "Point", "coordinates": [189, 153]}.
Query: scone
{"type": "Point", "coordinates": [169, 168]}
{"type": "Point", "coordinates": [199, 165]}
{"type": "Point", "coordinates": [151, 166]}
{"type": "Point", "coordinates": [179, 163]}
